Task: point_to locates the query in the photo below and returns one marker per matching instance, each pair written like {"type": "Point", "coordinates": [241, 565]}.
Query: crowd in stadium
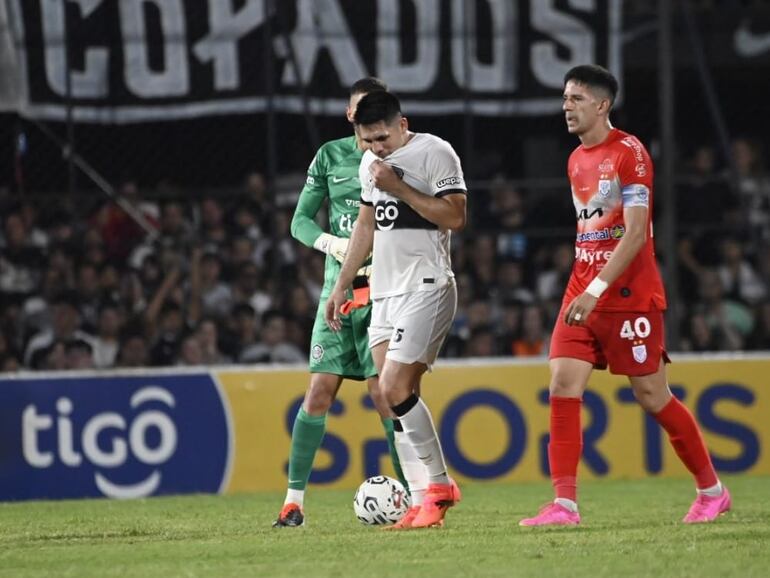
{"type": "Point", "coordinates": [223, 281]}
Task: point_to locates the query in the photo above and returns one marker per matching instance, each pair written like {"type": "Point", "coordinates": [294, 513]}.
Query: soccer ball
{"type": "Point", "coordinates": [380, 500]}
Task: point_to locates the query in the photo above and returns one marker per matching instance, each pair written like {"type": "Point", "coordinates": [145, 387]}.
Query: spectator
{"type": "Point", "coordinates": [552, 281]}
{"type": "Point", "coordinates": [176, 231]}
{"type": "Point", "coordinates": [107, 341]}
{"type": "Point", "coordinates": [37, 236]}
{"type": "Point", "coordinates": [699, 336]}
{"type": "Point", "coordinates": [168, 338]}
{"type": "Point", "coordinates": [110, 283]}
{"type": "Point", "coordinates": [534, 338]}
{"type": "Point", "coordinates": [483, 265]}
{"type": "Point", "coordinates": [121, 233]}
{"type": "Point", "coordinates": [79, 354]}
{"type": "Point", "coordinates": [481, 342]}
{"type": "Point", "coordinates": [739, 279]}
{"type": "Point", "coordinates": [244, 328]}
{"type": "Point", "coordinates": [20, 261]}
{"type": "Point", "coordinates": [258, 199]}
{"type": "Point", "coordinates": [93, 250]}
{"type": "Point", "coordinates": [89, 291]}
{"type": "Point", "coordinates": [212, 232]}
{"type": "Point", "coordinates": [273, 346]}
{"type": "Point", "coordinates": [65, 326]}
{"type": "Point", "coordinates": [37, 308]}
{"type": "Point", "coordinates": [53, 357]}
{"type": "Point", "coordinates": [216, 295]}
{"type": "Point", "coordinates": [730, 321]}
{"type": "Point", "coordinates": [133, 351]}
{"type": "Point", "coordinates": [207, 335]}
{"type": "Point", "coordinates": [754, 186]}
{"type": "Point", "coordinates": [246, 289]}
{"type": "Point", "coordinates": [9, 363]}
{"type": "Point", "coordinates": [246, 224]}
{"type": "Point", "coordinates": [705, 198]}
{"type": "Point", "coordinates": [310, 272]}
{"type": "Point", "coordinates": [190, 351]}
{"type": "Point", "coordinates": [301, 313]}
{"type": "Point", "coordinates": [510, 283]}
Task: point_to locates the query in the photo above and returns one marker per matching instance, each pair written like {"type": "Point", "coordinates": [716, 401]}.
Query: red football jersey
{"type": "Point", "coordinates": [605, 179]}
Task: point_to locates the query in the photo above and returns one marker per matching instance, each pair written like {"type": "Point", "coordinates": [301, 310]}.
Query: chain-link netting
{"type": "Point", "coordinates": [201, 126]}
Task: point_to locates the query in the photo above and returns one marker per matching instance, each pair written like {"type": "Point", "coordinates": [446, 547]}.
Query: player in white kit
{"type": "Point", "coordinates": [412, 196]}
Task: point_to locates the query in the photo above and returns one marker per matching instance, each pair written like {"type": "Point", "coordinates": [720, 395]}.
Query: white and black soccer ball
{"type": "Point", "coordinates": [380, 501]}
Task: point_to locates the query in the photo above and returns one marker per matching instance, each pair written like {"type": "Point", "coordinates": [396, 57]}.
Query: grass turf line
{"type": "Point", "coordinates": [629, 528]}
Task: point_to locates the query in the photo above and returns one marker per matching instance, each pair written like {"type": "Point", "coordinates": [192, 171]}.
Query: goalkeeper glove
{"type": "Point", "coordinates": [331, 245]}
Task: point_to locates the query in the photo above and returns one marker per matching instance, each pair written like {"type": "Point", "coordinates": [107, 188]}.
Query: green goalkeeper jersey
{"type": "Point", "coordinates": [332, 175]}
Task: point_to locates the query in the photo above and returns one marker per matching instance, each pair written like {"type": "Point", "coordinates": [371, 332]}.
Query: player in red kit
{"type": "Point", "coordinates": [612, 312]}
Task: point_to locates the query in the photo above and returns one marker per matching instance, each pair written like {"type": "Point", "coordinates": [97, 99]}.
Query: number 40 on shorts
{"type": "Point", "coordinates": [638, 328]}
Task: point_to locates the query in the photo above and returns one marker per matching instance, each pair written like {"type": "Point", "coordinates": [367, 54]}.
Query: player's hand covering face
{"type": "Point", "coordinates": [384, 177]}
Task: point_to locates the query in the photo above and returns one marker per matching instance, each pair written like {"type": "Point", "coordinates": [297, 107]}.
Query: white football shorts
{"type": "Point", "coordinates": [415, 323]}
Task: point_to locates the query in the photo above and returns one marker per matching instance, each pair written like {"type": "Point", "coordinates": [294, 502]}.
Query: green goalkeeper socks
{"type": "Point", "coordinates": [306, 438]}
{"type": "Point", "coordinates": [387, 425]}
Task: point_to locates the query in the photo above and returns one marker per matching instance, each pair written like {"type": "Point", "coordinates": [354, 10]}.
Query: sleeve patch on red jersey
{"type": "Point", "coordinates": [636, 196]}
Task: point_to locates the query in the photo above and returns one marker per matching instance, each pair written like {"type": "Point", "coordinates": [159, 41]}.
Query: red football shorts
{"type": "Point", "coordinates": [631, 343]}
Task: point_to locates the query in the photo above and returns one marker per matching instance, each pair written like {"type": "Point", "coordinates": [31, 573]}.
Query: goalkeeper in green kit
{"type": "Point", "coordinates": [333, 177]}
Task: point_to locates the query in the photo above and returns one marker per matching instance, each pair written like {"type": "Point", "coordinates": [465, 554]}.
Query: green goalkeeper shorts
{"type": "Point", "coordinates": [346, 352]}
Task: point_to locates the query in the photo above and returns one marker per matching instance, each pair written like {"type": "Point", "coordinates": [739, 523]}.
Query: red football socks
{"type": "Point", "coordinates": [688, 442]}
{"type": "Point", "coordinates": [565, 446]}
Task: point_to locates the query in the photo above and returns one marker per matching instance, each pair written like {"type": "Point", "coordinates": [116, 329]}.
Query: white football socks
{"type": "Point", "coordinates": [567, 503]}
{"type": "Point", "coordinates": [714, 491]}
{"type": "Point", "coordinates": [419, 429]}
{"type": "Point", "coordinates": [414, 471]}
{"type": "Point", "coordinates": [295, 497]}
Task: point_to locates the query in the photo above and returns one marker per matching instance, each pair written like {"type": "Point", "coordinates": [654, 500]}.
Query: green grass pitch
{"type": "Point", "coordinates": [630, 528]}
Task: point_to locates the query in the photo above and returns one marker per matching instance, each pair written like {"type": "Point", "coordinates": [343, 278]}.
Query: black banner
{"type": "Point", "coordinates": [150, 60]}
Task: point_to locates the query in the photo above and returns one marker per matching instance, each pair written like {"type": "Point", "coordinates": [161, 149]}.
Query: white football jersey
{"type": "Point", "coordinates": [411, 253]}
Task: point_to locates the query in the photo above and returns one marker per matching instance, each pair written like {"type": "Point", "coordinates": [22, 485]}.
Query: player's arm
{"type": "Point", "coordinates": [303, 225]}
{"type": "Point", "coordinates": [359, 249]}
{"type": "Point", "coordinates": [447, 211]}
{"type": "Point", "coordinates": [635, 222]}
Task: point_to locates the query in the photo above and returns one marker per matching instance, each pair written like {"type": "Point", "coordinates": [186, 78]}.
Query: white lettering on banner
{"type": "Point", "coordinates": [570, 36]}
{"type": "Point", "coordinates": [203, 67]}
{"type": "Point", "coordinates": [500, 74]}
{"type": "Point", "coordinates": [591, 257]}
{"type": "Point", "coordinates": [91, 82]}
{"type": "Point", "coordinates": [321, 24]}
{"type": "Point", "coordinates": [67, 451]}
{"type": "Point", "coordinates": [174, 79]}
{"type": "Point", "coordinates": [417, 75]}
{"type": "Point", "coordinates": [113, 454]}
{"type": "Point", "coordinates": [96, 425]}
{"type": "Point", "coordinates": [220, 46]}
{"type": "Point", "coordinates": [31, 423]}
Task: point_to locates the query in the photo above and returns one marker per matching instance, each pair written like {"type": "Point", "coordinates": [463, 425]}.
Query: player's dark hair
{"type": "Point", "coordinates": [377, 106]}
{"type": "Point", "coordinates": [594, 76]}
{"type": "Point", "coordinates": [367, 85]}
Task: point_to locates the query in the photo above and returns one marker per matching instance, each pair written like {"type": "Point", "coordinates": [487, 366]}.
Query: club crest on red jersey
{"type": "Point", "coordinates": [640, 353]}
{"type": "Point", "coordinates": [606, 166]}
